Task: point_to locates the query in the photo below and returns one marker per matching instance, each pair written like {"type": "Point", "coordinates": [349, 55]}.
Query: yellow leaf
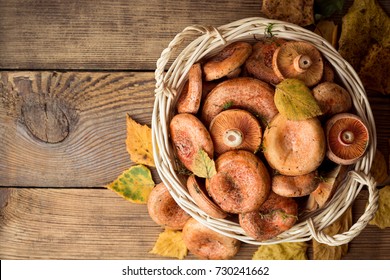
{"type": "Point", "coordinates": [203, 165]}
{"type": "Point", "coordinates": [135, 184]}
{"type": "Point", "coordinates": [379, 167]}
{"type": "Point", "coordinates": [282, 251]}
{"type": "Point", "coordinates": [139, 142]}
{"type": "Point", "coordinates": [326, 252]}
{"type": "Point", "coordinates": [170, 244]}
{"type": "Point", "coordinates": [382, 216]}
{"type": "Point", "coordinates": [295, 101]}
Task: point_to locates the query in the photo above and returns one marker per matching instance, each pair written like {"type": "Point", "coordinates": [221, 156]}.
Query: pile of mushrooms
{"type": "Point", "coordinates": [264, 161]}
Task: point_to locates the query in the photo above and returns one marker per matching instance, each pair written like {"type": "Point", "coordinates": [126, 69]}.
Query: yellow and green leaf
{"type": "Point", "coordinates": [135, 184]}
{"type": "Point", "coordinates": [203, 165]}
{"type": "Point", "coordinates": [295, 101]}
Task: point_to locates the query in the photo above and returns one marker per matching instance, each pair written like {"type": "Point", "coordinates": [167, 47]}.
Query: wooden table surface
{"type": "Point", "coordinates": [69, 73]}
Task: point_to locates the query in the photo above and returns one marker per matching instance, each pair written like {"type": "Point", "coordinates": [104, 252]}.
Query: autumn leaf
{"type": "Point", "coordinates": [295, 101]}
{"type": "Point", "coordinates": [379, 167]}
{"type": "Point", "coordinates": [327, 30]}
{"type": "Point", "coordinates": [325, 252]}
{"type": "Point", "coordinates": [356, 44]}
{"type": "Point", "coordinates": [282, 251]}
{"type": "Point", "coordinates": [135, 184]}
{"type": "Point", "coordinates": [139, 142]}
{"type": "Point", "coordinates": [170, 244]}
{"type": "Point", "coordinates": [382, 215]}
{"type": "Point", "coordinates": [203, 165]}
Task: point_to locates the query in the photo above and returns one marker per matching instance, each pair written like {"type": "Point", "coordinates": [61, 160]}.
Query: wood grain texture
{"type": "Point", "coordinates": [98, 224]}
{"type": "Point", "coordinates": [102, 34]}
{"type": "Point", "coordinates": [68, 129]}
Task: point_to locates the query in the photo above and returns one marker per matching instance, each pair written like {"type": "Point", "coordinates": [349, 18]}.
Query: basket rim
{"type": "Point", "coordinates": [207, 40]}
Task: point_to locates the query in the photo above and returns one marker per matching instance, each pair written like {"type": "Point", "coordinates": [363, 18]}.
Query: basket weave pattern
{"type": "Point", "coordinates": [205, 41]}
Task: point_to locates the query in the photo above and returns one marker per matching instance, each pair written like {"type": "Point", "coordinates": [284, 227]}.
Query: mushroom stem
{"type": "Point", "coordinates": [302, 63]}
{"type": "Point", "coordinates": [347, 137]}
{"type": "Point", "coordinates": [232, 137]}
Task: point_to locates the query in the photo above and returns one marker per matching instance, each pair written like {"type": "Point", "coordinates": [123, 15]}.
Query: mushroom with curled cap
{"type": "Point", "coordinates": [227, 60]}
{"type": "Point", "coordinates": [235, 129]}
{"type": "Point", "coordinates": [347, 138]}
{"type": "Point", "coordinates": [300, 60]}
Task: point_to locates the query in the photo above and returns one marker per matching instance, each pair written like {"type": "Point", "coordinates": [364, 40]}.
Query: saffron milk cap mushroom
{"type": "Point", "coordinates": [191, 95]}
{"type": "Point", "coordinates": [189, 136]}
{"type": "Point", "coordinates": [227, 60]}
{"type": "Point", "coordinates": [295, 186]}
{"type": "Point", "coordinates": [206, 243]}
{"type": "Point", "coordinates": [276, 215]}
{"type": "Point", "coordinates": [235, 129]}
{"type": "Point", "coordinates": [242, 182]}
{"type": "Point", "coordinates": [199, 194]}
{"type": "Point", "coordinates": [245, 93]}
{"type": "Point", "coordinates": [294, 147]}
{"type": "Point", "coordinates": [300, 60]}
{"type": "Point", "coordinates": [164, 210]}
{"type": "Point", "coordinates": [347, 138]}
{"type": "Point", "coordinates": [332, 98]}
{"type": "Point", "coordinates": [259, 63]}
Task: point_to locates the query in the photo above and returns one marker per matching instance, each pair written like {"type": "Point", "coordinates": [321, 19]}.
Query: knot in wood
{"type": "Point", "coordinates": [46, 120]}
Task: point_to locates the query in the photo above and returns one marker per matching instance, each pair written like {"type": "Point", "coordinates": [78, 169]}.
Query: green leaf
{"type": "Point", "coordinates": [135, 184]}
{"type": "Point", "coordinates": [295, 101]}
{"type": "Point", "coordinates": [326, 8]}
{"type": "Point", "coordinates": [282, 251]}
{"type": "Point", "coordinates": [204, 166]}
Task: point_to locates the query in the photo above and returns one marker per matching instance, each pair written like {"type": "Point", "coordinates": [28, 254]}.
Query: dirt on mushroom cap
{"type": "Point", "coordinates": [242, 182]}
{"type": "Point", "coordinates": [276, 215]}
{"type": "Point", "coordinates": [188, 142]}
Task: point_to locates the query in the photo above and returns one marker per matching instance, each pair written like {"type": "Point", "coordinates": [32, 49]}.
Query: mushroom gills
{"type": "Point", "coordinates": [347, 138]}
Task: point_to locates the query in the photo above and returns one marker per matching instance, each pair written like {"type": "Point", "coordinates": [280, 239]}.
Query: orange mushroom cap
{"type": "Point", "coordinates": [227, 60]}
{"type": "Point", "coordinates": [300, 60]}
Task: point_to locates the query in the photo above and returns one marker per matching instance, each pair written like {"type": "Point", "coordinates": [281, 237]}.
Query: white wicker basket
{"type": "Point", "coordinates": [197, 42]}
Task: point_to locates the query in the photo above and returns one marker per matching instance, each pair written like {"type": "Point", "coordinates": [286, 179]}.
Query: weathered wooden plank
{"type": "Point", "coordinates": [68, 129]}
{"type": "Point", "coordinates": [102, 34]}
{"type": "Point", "coordinates": [107, 35]}
{"type": "Point", "coordinates": [98, 224]}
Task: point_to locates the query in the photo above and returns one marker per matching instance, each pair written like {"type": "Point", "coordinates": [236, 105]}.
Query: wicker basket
{"type": "Point", "coordinates": [197, 42]}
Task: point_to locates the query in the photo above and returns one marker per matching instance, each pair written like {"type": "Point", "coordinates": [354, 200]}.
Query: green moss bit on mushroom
{"type": "Point", "coordinates": [268, 30]}
{"type": "Point", "coordinates": [227, 105]}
